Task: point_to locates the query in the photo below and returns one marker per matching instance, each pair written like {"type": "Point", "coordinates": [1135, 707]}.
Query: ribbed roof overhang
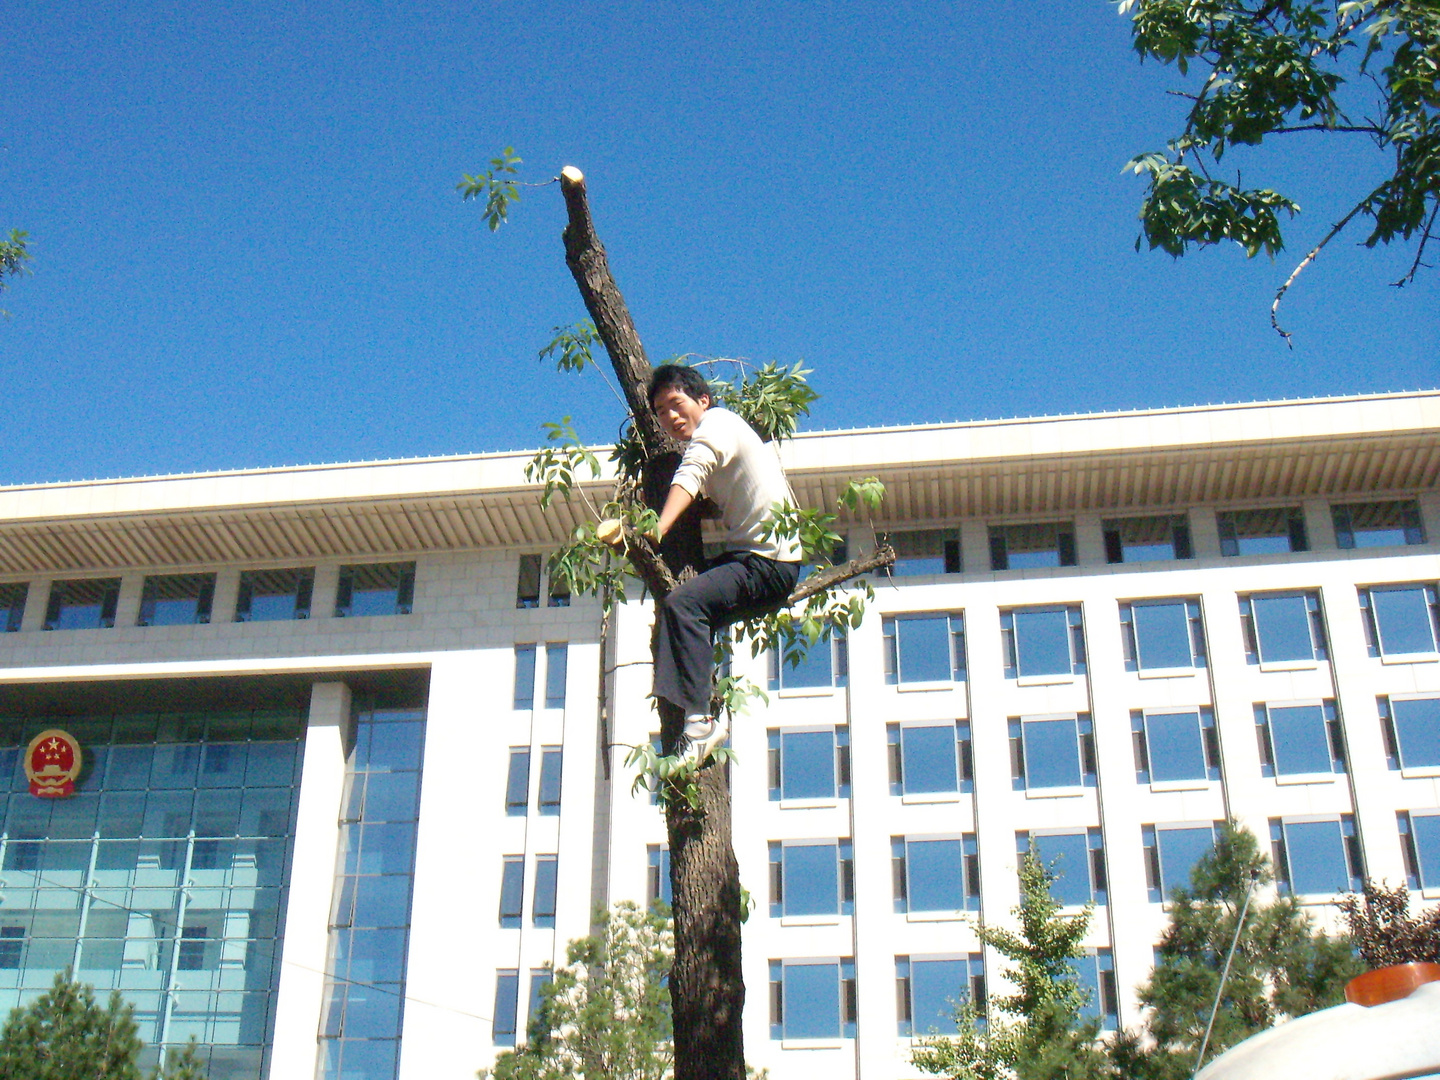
{"type": "Point", "coordinates": [1014, 469]}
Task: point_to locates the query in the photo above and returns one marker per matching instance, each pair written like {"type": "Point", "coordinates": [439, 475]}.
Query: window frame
{"type": "Point", "coordinates": [14, 595]}
{"type": "Point", "coordinates": [1097, 873]}
{"type": "Point", "coordinates": [404, 588]}
{"type": "Point", "coordinates": [1332, 731]}
{"type": "Point", "coordinates": [302, 592]}
{"type": "Point", "coordinates": [1422, 873]}
{"type": "Point", "coordinates": [1003, 559]}
{"type": "Point", "coordinates": [1194, 628]}
{"type": "Point", "coordinates": [777, 667]}
{"type": "Point", "coordinates": [1347, 539]}
{"type": "Point", "coordinates": [545, 891]}
{"type": "Point", "coordinates": [1104, 988]}
{"type": "Point", "coordinates": [57, 603]}
{"type": "Point", "coordinates": [1296, 534]}
{"type": "Point", "coordinates": [556, 673]}
{"type": "Point", "coordinates": [1281, 846]}
{"type": "Point", "coordinates": [1374, 634]}
{"type": "Point", "coordinates": [1251, 629]}
{"type": "Point", "coordinates": [552, 773]}
{"type": "Point", "coordinates": [963, 761]}
{"type": "Point", "coordinates": [845, 1001]}
{"type": "Point", "coordinates": [1143, 743]}
{"type": "Point", "coordinates": [512, 891]}
{"type": "Point", "coordinates": [1114, 529]}
{"type": "Point", "coordinates": [1393, 734]}
{"type": "Point", "coordinates": [902, 886]}
{"type": "Point", "coordinates": [783, 883]}
{"type": "Point", "coordinates": [203, 598]}
{"type": "Point", "coordinates": [517, 782]}
{"type": "Point", "coordinates": [507, 1007]}
{"type": "Point", "coordinates": [1021, 754]}
{"type": "Point", "coordinates": [1153, 845]}
{"type": "Point", "coordinates": [905, 981]}
{"type": "Point", "coordinates": [527, 656]}
{"type": "Point", "coordinates": [1011, 643]}
{"type": "Point", "coordinates": [949, 557]}
{"type": "Point", "coordinates": [893, 644]}
{"type": "Point", "coordinates": [840, 767]}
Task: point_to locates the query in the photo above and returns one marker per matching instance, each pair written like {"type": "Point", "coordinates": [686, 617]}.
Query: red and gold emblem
{"type": "Point", "coordinates": [52, 763]}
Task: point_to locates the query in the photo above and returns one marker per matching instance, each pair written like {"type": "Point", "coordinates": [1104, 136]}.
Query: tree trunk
{"type": "Point", "coordinates": [707, 989]}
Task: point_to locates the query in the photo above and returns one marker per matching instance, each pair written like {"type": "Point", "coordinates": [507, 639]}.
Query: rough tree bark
{"type": "Point", "coordinates": [707, 987]}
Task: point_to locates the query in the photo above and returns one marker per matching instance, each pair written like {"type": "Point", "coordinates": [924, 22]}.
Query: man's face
{"type": "Point", "coordinates": [679, 413]}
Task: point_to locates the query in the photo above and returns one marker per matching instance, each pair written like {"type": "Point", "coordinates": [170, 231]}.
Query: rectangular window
{"type": "Point", "coordinates": [1095, 972]}
{"type": "Point", "coordinates": [1401, 621]}
{"type": "Point", "coordinates": [12, 613]}
{"type": "Point", "coordinates": [825, 663]}
{"type": "Point", "coordinates": [1052, 752]}
{"type": "Point", "coordinates": [1030, 547]}
{"type": "Point", "coordinates": [1162, 635]}
{"type": "Point", "coordinates": [657, 863]}
{"type": "Point", "coordinates": [1302, 739]}
{"type": "Point", "coordinates": [375, 589]}
{"type": "Point", "coordinates": [551, 759]}
{"type": "Point", "coordinates": [85, 604]}
{"type": "Point", "coordinates": [558, 594]}
{"type": "Point", "coordinates": [935, 874]}
{"type": "Point", "coordinates": [507, 1005]}
{"type": "Point", "coordinates": [1392, 523]}
{"type": "Point", "coordinates": [1419, 838]}
{"type": "Point", "coordinates": [542, 908]}
{"type": "Point", "coordinates": [1043, 642]}
{"type": "Point", "coordinates": [1175, 746]}
{"type": "Point", "coordinates": [517, 782]}
{"type": "Point", "coordinates": [810, 764]}
{"type": "Point", "coordinates": [1316, 856]}
{"type": "Point", "coordinates": [524, 676]}
{"type": "Point", "coordinates": [540, 978]}
{"type": "Point", "coordinates": [812, 999]}
{"type": "Point", "coordinates": [555, 667]}
{"type": "Point", "coordinates": [1171, 852]}
{"type": "Point", "coordinates": [930, 990]}
{"type": "Point", "coordinates": [1412, 731]}
{"type": "Point", "coordinates": [192, 949]}
{"type": "Point", "coordinates": [930, 759]}
{"type": "Point", "coordinates": [808, 878]}
{"type": "Point", "coordinates": [274, 595]}
{"type": "Point", "coordinates": [1283, 628]}
{"type": "Point", "coordinates": [925, 551]}
{"type": "Point", "coordinates": [1160, 538]}
{"type": "Point", "coordinates": [512, 890]}
{"type": "Point", "coordinates": [1075, 861]}
{"type": "Point", "coordinates": [176, 599]}
{"type": "Point", "coordinates": [924, 648]}
{"type": "Point", "coordinates": [527, 582]}
{"type": "Point", "coordinates": [1270, 531]}
{"type": "Point", "coordinates": [12, 944]}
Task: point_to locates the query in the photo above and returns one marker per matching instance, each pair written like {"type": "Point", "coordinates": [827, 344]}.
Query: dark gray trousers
{"type": "Point", "coordinates": [737, 585]}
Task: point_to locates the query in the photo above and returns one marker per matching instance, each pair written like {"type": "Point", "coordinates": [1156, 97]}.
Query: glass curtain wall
{"type": "Point", "coordinates": [370, 909]}
{"type": "Point", "coordinates": [163, 876]}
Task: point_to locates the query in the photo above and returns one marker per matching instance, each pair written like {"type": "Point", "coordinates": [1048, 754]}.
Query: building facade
{"type": "Point", "coordinates": [345, 787]}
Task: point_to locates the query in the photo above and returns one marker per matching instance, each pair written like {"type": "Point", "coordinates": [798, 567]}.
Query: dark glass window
{"type": "Point", "coordinates": [555, 667]}
{"type": "Point", "coordinates": [1147, 539]}
{"type": "Point", "coordinates": [1412, 728]}
{"type": "Point", "coordinates": [1027, 547]}
{"type": "Point", "coordinates": [1282, 628]}
{"type": "Point", "coordinates": [1271, 531]}
{"type": "Point", "coordinates": [517, 781]}
{"type": "Point", "coordinates": [928, 991]}
{"type": "Point", "coordinates": [1043, 642]}
{"type": "Point", "coordinates": [192, 949]}
{"type": "Point", "coordinates": [1316, 856]}
{"type": "Point", "coordinates": [1075, 861]}
{"type": "Point", "coordinates": [1052, 752]}
{"type": "Point", "coordinates": [1175, 746]}
{"type": "Point", "coordinates": [524, 676]}
{"type": "Point", "coordinates": [928, 759]}
{"type": "Point", "coordinates": [274, 595]}
{"type": "Point", "coordinates": [375, 589]}
{"type": "Point", "coordinates": [1171, 852]}
{"type": "Point", "coordinates": [935, 874]}
{"type": "Point", "coordinates": [812, 999]}
{"type": "Point", "coordinates": [12, 945]}
{"type": "Point", "coordinates": [512, 890]}
{"type": "Point", "coordinates": [551, 759]}
{"type": "Point", "coordinates": [176, 599]}
{"type": "Point", "coordinates": [1419, 836]}
{"type": "Point", "coordinates": [926, 648]}
{"type": "Point", "coordinates": [925, 551]}
{"type": "Point", "coordinates": [507, 1006]}
{"type": "Point", "coordinates": [1401, 620]}
{"type": "Point", "coordinates": [12, 611]}
{"type": "Point", "coordinates": [810, 764]}
{"type": "Point", "coordinates": [1162, 635]}
{"type": "Point", "coordinates": [811, 879]}
{"type": "Point", "coordinates": [1299, 740]}
{"type": "Point", "coordinates": [527, 588]}
{"type": "Point", "coordinates": [86, 604]}
{"type": "Point", "coordinates": [1392, 523]}
{"type": "Point", "coordinates": [542, 909]}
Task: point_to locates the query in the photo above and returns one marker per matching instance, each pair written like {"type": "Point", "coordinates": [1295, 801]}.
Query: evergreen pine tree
{"type": "Point", "coordinates": [1283, 967]}
{"type": "Point", "coordinates": [1043, 1035]}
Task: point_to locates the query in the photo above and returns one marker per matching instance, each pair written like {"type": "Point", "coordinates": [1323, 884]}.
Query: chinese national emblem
{"type": "Point", "coordinates": [52, 763]}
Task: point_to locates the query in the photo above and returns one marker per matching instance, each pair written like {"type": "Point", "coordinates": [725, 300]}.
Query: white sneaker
{"type": "Point", "coordinates": [702, 735]}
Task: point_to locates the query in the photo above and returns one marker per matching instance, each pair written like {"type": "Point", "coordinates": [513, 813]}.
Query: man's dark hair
{"type": "Point", "coordinates": [682, 377]}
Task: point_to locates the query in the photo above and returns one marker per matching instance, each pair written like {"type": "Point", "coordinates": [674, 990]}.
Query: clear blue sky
{"type": "Point", "coordinates": [249, 250]}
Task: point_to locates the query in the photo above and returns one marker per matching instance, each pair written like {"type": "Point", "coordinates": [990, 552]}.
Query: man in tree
{"type": "Point", "coordinates": [726, 460]}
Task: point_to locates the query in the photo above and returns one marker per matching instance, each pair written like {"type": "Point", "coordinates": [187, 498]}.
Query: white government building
{"type": "Point", "coordinates": [345, 790]}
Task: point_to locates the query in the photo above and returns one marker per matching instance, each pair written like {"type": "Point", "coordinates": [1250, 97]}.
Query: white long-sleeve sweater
{"type": "Point", "coordinates": [728, 463]}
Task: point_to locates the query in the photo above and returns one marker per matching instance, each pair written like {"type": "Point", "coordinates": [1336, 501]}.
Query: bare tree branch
{"type": "Point", "coordinates": [835, 575]}
{"type": "Point", "coordinates": [1315, 251]}
{"type": "Point", "coordinates": [1425, 238]}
